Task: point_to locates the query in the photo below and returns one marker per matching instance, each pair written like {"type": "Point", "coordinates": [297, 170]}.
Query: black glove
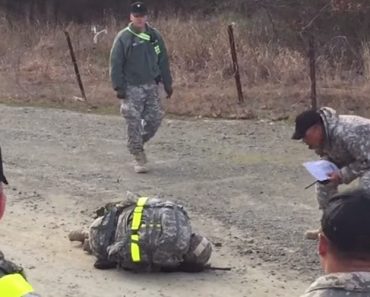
{"type": "Point", "coordinates": [191, 267]}
{"type": "Point", "coordinates": [104, 264]}
{"type": "Point", "coordinates": [121, 94]}
{"type": "Point", "coordinates": [324, 182]}
{"type": "Point", "coordinates": [158, 79]}
{"type": "Point", "coordinates": [169, 91]}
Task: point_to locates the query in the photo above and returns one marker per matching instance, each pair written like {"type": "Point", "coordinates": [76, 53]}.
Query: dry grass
{"type": "Point", "coordinates": [36, 68]}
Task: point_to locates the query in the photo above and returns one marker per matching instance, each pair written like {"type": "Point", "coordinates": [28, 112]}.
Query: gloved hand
{"type": "Point", "coordinates": [121, 94]}
{"type": "Point", "coordinates": [104, 264]}
{"type": "Point", "coordinates": [169, 91]}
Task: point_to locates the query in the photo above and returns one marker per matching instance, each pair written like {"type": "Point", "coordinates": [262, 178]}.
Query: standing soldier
{"type": "Point", "coordinates": [341, 139]}
{"type": "Point", "coordinates": [138, 63]}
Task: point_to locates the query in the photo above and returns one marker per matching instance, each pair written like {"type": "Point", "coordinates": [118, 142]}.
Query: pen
{"type": "Point", "coordinates": [310, 185]}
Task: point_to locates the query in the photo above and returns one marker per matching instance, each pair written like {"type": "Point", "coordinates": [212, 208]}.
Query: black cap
{"type": "Point", "coordinates": [2, 176]}
{"type": "Point", "coordinates": [345, 222]}
{"type": "Point", "coordinates": [304, 121]}
{"type": "Point", "coordinates": [138, 8]}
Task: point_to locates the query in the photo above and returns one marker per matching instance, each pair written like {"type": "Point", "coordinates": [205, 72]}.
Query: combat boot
{"type": "Point", "coordinates": [86, 246]}
{"type": "Point", "coordinates": [140, 161]}
{"type": "Point", "coordinates": [312, 234]}
{"type": "Point", "coordinates": [78, 235]}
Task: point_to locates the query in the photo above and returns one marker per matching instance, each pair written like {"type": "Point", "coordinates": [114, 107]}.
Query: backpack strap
{"type": "Point", "coordinates": [135, 226]}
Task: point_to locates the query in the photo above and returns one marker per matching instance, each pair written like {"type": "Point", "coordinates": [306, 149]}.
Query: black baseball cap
{"type": "Point", "coordinates": [2, 176]}
{"type": "Point", "coordinates": [304, 121]}
{"type": "Point", "coordinates": [345, 222]}
{"type": "Point", "coordinates": [138, 8]}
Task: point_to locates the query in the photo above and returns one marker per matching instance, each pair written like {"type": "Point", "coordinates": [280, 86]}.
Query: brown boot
{"type": "Point", "coordinates": [140, 161]}
{"type": "Point", "coordinates": [312, 234]}
{"type": "Point", "coordinates": [86, 246]}
{"type": "Point", "coordinates": [78, 235]}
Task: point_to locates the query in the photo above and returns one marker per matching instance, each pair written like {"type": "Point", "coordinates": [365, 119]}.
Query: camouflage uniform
{"type": "Point", "coordinates": [347, 144]}
{"type": "Point", "coordinates": [143, 113]}
{"type": "Point", "coordinates": [164, 235]}
{"type": "Point", "coordinates": [354, 284]}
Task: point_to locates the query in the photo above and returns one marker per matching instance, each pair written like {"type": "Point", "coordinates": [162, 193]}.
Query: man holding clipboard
{"type": "Point", "coordinates": [343, 141]}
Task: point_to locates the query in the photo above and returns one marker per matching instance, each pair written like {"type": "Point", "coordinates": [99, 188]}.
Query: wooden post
{"type": "Point", "coordinates": [312, 57]}
{"type": "Point", "coordinates": [235, 63]}
{"type": "Point", "coordinates": [74, 61]}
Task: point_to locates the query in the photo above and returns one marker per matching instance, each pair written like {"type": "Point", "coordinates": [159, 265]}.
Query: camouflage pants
{"type": "Point", "coordinates": [324, 192]}
{"type": "Point", "coordinates": [143, 113]}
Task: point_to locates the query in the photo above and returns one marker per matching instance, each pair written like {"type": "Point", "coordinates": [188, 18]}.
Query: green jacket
{"type": "Point", "coordinates": [139, 58]}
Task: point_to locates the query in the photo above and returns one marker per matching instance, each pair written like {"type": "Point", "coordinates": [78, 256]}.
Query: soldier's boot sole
{"type": "Point", "coordinates": [86, 246]}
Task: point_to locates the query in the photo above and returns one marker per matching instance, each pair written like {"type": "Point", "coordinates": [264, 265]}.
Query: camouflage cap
{"type": "Point", "coordinates": [200, 250]}
{"type": "Point", "coordinates": [346, 220]}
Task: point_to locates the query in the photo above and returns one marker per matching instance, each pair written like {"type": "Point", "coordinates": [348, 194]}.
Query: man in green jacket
{"type": "Point", "coordinates": [138, 63]}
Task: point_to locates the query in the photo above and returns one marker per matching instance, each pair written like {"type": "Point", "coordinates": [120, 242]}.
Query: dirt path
{"type": "Point", "coordinates": [241, 180]}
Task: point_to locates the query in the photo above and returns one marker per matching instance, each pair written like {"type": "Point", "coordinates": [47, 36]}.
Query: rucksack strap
{"type": "Point", "coordinates": [145, 37]}
{"type": "Point", "coordinates": [135, 226]}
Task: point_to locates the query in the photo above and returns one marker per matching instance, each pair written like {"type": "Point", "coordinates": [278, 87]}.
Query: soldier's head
{"type": "Point", "coordinates": [344, 242]}
{"type": "Point", "coordinates": [199, 252]}
{"type": "Point", "coordinates": [138, 15]}
{"type": "Point", "coordinates": [310, 128]}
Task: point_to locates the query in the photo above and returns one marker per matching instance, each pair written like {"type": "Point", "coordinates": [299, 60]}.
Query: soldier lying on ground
{"type": "Point", "coordinates": [145, 235]}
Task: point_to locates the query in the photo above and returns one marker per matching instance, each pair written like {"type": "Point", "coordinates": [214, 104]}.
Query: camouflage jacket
{"type": "Point", "coordinates": [164, 235]}
{"type": "Point", "coordinates": [347, 143]}
{"type": "Point", "coordinates": [135, 61]}
{"type": "Point", "coordinates": [341, 285]}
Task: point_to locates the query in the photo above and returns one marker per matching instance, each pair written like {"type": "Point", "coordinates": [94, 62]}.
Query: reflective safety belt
{"type": "Point", "coordinates": [135, 226]}
{"type": "Point", "coordinates": [142, 35]}
{"type": "Point", "coordinates": [14, 285]}
{"type": "Point", "coordinates": [145, 37]}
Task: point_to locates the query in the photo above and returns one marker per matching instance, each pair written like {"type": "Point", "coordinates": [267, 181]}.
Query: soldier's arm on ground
{"type": "Point", "coordinates": [164, 64]}
{"type": "Point", "coordinates": [358, 145]}
{"type": "Point", "coordinates": [116, 64]}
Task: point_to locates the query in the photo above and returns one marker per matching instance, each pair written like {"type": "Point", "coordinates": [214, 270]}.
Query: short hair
{"type": "Point", "coordinates": [346, 223]}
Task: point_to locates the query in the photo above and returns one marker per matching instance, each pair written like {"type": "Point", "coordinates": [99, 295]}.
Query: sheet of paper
{"type": "Point", "coordinates": [320, 169]}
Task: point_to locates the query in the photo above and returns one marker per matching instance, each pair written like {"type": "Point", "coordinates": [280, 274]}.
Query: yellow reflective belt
{"type": "Point", "coordinates": [14, 285]}
{"type": "Point", "coordinates": [136, 222]}
{"type": "Point", "coordinates": [143, 36]}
